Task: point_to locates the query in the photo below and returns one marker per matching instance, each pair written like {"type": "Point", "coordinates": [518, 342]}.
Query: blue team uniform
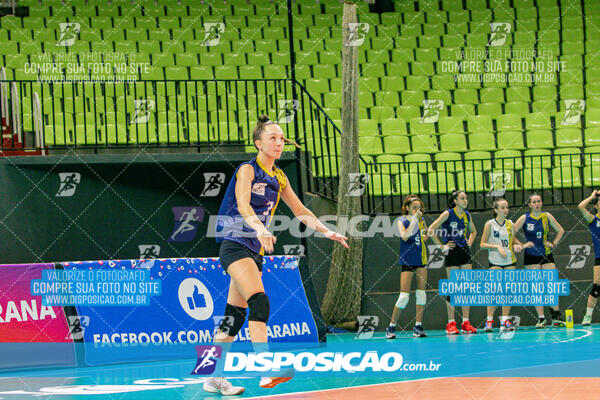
{"type": "Point", "coordinates": [536, 231]}
{"type": "Point", "coordinates": [595, 230]}
{"type": "Point", "coordinates": [412, 251]}
{"type": "Point", "coordinates": [266, 191]}
{"type": "Point", "coordinates": [455, 228]}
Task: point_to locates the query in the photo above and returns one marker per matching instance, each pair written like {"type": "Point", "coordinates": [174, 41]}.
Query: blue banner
{"type": "Point", "coordinates": [189, 307]}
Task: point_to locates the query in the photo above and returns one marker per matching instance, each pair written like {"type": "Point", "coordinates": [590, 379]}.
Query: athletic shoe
{"type": "Point", "coordinates": [390, 332]}
{"type": "Point", "coordinates": [451, 328]}
{"type": "Point", "coordinates": [587, 320]}
{"type": "Point", "coordinates": [418, 331]}
{"type": "Point", "coordinates": [466, 327]}
{"type": "Point", "coordinates": [221, 385]}
{"type": "Point", "coordinates": [269, 383]}
{"type": "Point", "coordinates": [488, 326]}
{"type": "Point", "coordinates": [558, 323]}
{"type": "Point", "coordinates": [541, 324]}
{"type": "Point", "coordinates": [508, 325]}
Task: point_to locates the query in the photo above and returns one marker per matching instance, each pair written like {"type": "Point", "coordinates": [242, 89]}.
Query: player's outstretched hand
{"type": "Point", "coordinates": [528, 245]}
{"type": "Point", "coordinates": [337, 237]}
{"type": "Point", "coordinates": [517, 248]}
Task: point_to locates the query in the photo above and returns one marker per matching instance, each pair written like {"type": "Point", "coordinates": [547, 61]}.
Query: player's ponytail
{"type": "Point", "coordinates": [263, 121]}
{"type": "Point", "coordinates": [453, 196]}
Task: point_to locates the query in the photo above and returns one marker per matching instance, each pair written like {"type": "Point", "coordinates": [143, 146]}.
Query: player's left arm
{"type": "Point", "coordinates": [557, 227]}
{"type": "Point", "coordinates": [307, 217]}
{"type": "Point", "coordinates": [472, 232]}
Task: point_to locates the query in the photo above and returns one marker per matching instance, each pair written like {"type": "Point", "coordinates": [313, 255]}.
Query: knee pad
{"type": "Point", "coordinates": [232, 320]}
{"type": "Point", "coordinates": [260, 308]}
{"type": "Point", "coordinates": [595, 292]}
{"type": "Point", "coordinates": [421, 297]}
{"type": "Point", "coordinates": [402, 300]}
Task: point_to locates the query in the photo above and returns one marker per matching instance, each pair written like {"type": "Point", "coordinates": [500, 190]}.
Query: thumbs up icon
{"type": "Point", "coordinates": [196, 300]}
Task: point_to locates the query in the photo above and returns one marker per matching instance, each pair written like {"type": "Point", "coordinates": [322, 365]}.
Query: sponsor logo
{"type": "Point", "coordinates": [357, 33]}
{"type": "Point", "coordinates": [195, 299]}
{"type": "Point", "coordinates": [68, 33]}
{"type": "Point", "coordinates": [186, 223]}
{"type": "Point", "coordinates": [68, 183]}
{"type": "Point", "coordinates": [212, 184]}
{"type": "Point", "coordinates": [366, 326]}
{"type": "Point", "coordinates": [579, 255]}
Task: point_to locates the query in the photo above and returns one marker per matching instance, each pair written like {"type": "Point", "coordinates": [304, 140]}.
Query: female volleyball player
{"type": "Point", "coordinates": [455, 223]}
{"type": "Point", "coordinates": [248, 208]}
{"type": "Point", "coordinates": [538, 249]}
{"type": "Point", "coordinates": [593, 221]}
{"type": "Point", "coordinates": [413, 259]}
{"type": "Point", "coordinates": [498, 237]}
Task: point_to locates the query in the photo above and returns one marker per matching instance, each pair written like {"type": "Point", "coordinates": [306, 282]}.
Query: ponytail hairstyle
{"type": "Point", "coordinates": [263, 121]}
{"type": "Point", "coordinates": [453, 196]}
{"type": "Point", "coordinates": [495, 205]}
{"type": "Point", "coordinates": [409, 199]}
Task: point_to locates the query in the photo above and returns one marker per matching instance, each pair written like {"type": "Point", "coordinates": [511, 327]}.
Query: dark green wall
{"type": "Point", "coordinates": [121, 202]}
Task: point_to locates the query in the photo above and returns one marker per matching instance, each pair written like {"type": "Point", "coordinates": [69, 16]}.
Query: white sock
{"type": "Point", "coordinates": [392, 325]}
{"type": "Point", "coordinates": [589, 311]}
{"type": "Point", "coordinates": [451, 320]}
{"type": "Point", "coordinates": [490, 318]}
{"type": "Point", "coordinates": [417, 323]}
{"type": "Point", "coordinates": [465, 319]}
{"type": "Point", "coordinates": [503, 319]}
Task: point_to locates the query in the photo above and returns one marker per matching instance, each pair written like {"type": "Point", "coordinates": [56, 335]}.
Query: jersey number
{"type": "Point", "coordinates": [418, 240]}
{"type": "Point", "coordinates": [538, 235]}
{"type": "Point", "coordinates": [269, 207]}
{"type": "Point", "coordinates": [504, 243]}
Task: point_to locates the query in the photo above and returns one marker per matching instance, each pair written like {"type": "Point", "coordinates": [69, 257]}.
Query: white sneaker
{"type": "Point", "coordinates": [587, 320]}
{"type": "Point", "coordinates": [221, 385]}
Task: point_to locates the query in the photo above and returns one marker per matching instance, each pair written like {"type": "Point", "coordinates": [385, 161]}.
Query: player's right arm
{"type": "Point", "coordinates": [406, 233]}
{"type": "Point", "coordinates": [588, 216]}
{"type": "Point", "coordinates": [436, 224]}
{"type": "Point", "coordinates": [243, 193]}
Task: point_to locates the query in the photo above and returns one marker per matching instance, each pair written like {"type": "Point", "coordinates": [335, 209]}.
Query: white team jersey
{"type": "Point", "coordinates": [501, 235]}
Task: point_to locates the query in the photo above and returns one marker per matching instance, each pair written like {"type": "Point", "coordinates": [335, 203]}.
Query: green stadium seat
{"type": "Point", "coordinates": [381, 184]}
{"type": "Point", "coordinates": [591, 176]}
{"type": "Point", "coordinates": [471, 180]}
{"type": "Point", "coordinates": [480, 123]}
{"type": "Point", "coordinates": [544, 93]}
{"type": "Point", "coordinates": [509, 122]}
{"type": "Point", "coordinates": [466, 96]}
{"type": "Point", "coordinates": [538, 158]}
{"type": "Point", "coordinates": [409, 183]}
{"type": "Point", "coordinates": [449, 162]}
{"type": "Point", "coordinates": [397, 69]}
{"type": "Point", "coordinates": [535, 179]}
{"type": "Point", "coordinates": [370, 145]}
{"type": "Point", "coordinates": [417, 82]}
{"type": "Point", "coordinates": [516, 107]}
{"type": "Point", "coordinates": [412, 98]}
{"type": "Point", "coordinates": [453, 142]}
{"type": "Point", "coordinates": [537, 121]}
{"type": "Point", "coordinates": [393, 127]}
{"type": "Point", "coordinates": [453, 40]}
{"type": "Point", "coordinates": [489, 109]}
{"type": "Point", "coordinates": [592, 136]}
{"type": "Point", "coordinates": [367, 127]}
{"type": "Point", "coordinates": [440, 182]}
{"type": "Point", "coordinates": [510, 140]}
{"type": "Point", "coordinates": [424, 144]}
{"type": "Point", "coordinates": [451, 125]}
{"type": "Point", "coordinates": [567, 157]}
{"type": "Point", "coordinates": [548, 106]}
{"type": "Point", "coordinates": [540, 139]}
{"type": "Point", "coordinates": [382, 113]}
{"type": "Point", "coordinates": [462, 110]}
{"type": "Point", "coordinates": [443, 82]}
{"type": "Point", "coordinates": [566, 177]}
{"type": "Point", "coordinates": [422, 68]}
{"type": "Point", "coordinates": [396, 144]}
{"type": "Point", "coordinates": [418, 163]}
{"type": "Point", "coordinates": [508, 159]}
{"type": "Point", "coordinates": [492, 95]}
{"type": "Point", "coordinates": [393, 163]}
{"type": "Point", "coordinates": [387, 99]}
{"type": "Point", "coordinates": [482, 141]}
{"type": "Point", "coordinates": [176, 72]}
{"type": "Point", "coordinates": [417, 127]}
{"type": "Point", "coordinates": [408, 112]}
{"type": "Point", "coordinates": [568, 137]}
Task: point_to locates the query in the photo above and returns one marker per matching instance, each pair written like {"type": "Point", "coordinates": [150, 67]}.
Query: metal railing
{"type": "Point", "coordinates": [562, 179]}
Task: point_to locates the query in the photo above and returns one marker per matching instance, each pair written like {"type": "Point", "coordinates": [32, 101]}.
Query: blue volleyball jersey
{"type": "Point", "coordinates": [595, 229]}
{"type": "Point", "coordinates": [455, 228]}
{"type": "Point", "coordinates": [265, 193]}
{"type": "Point", "coordinates": [412, 250]}
{"type": "Point", "coordinates": [536, 231]}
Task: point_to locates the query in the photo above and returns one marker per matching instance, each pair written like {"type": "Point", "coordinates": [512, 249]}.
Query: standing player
{"type": "Point", "coordinates": [594, 224]}
{"type": "Point", "coordinates": [455, 223]}
{"type": "Point", "coordinates": [538, 249]}
{"type": "Point", "coordinates": [413, 259]}
{"type": "Point", "coordinates": [498, 237]}
{"type": "Point", "coordinates": [246, 211]}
